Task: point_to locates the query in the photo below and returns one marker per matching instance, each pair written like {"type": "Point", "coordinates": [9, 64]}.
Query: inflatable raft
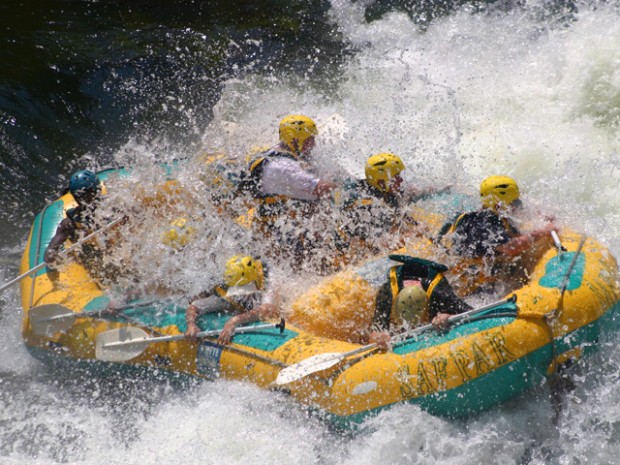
{"type": "Point", "coordinates": [490, 355]}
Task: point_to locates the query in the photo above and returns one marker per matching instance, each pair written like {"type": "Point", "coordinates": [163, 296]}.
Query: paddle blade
{"type": "Point", "coordinates": [121, 344]}
{"type": "Point", "coordinates": [308, 366]}
{"type": "Point", "coordinates": [47, 320]}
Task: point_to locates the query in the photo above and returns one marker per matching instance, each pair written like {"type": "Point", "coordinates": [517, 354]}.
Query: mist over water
{"type": "Point", "coordinates": [507, 91]}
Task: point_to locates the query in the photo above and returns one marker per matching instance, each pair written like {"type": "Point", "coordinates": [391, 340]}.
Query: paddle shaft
{"type": "Point", "coordinates": [97, 314]}
{"type": "Point", "coordinates": [44, 264]}
{"type": "Point", "coordinates": [322, 362]}
{"type": "Point", "coordinates": [453, 319]}
{"type": "Point", "coordinates": [178, 337]}
{"type": "Point", "coordinates": [247, 353]}
{"type": "Point", "coordinates": [421, 329]}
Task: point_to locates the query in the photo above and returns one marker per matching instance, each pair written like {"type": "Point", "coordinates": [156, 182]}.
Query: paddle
{"type": "Point", "coordinates": [324, 361]}
{"type": "Point", "coordinates": [122, 344]}
{"type": "Point", "coordinates": [556, 241]}
{"type": "Point", "coordinates": [44, 264]}
{"type": "Point", "coordinates": [49, 319]}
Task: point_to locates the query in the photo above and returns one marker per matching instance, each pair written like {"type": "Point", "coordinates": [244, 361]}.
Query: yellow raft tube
{"type": "Point", "coordinates": [490, 357]}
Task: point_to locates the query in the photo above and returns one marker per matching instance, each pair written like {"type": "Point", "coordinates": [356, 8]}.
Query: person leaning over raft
{"type": "Point", "coordinates": [281, 181]}
{"type": "Point", "coordinates": [416, 292]}
{"type": "Point", "coordinates": [244, 293]}
{"type": "Point", "coordinates": [488, 239]}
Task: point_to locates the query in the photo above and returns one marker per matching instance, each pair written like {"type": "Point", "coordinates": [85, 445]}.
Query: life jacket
{"type": "Point", "coordinates": [80, 218]}
{"type": "Point", "coordinates": [476, 228]}
{"type": "Point", "coordinates": [476, 266]}
{"type": "Point", "coordinates": [270, 206]}
{"type": "Point", "coordinates": [367, 211]}
{"type": "Point", "coordinates": [429, 273]}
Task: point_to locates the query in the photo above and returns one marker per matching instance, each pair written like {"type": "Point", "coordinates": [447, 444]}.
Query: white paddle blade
{"type": "Point", "coordinates": [132, 341]}
{"type": "Point", "coordinates": [49, 319]}
{"type": "Point", "coordinates": [308, 366]}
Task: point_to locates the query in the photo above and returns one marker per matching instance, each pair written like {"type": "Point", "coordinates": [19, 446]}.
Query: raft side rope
{"type": "Point", "coordinates": [552, 316]}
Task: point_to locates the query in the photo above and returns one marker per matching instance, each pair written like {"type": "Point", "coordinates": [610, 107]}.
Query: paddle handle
{"type": "Point", "coordinates": [99, 313]}
{"type": "Point", "coordinates": [44, 264]}
{"type": "Point", "coordinates": [557, 242]}
{"type": "Point", "coordinates": [178, 337]}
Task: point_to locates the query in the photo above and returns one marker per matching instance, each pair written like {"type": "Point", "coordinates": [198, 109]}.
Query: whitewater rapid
{"type": "Point", "coordinates": [473, 95]}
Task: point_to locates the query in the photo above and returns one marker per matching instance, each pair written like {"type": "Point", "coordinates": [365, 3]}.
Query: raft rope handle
{"type": "Point", "coordinates": [553, 315]}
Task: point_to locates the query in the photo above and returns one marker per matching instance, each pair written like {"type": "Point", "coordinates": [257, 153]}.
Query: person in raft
{"type": "Point", "coordinates": [243, 293]}
{"type": "Point", "coordinates": [283, 183]}
{"type": "Point", "coordinates": [377, 203]}
{"type": "Point", "coordinates": [487, 241]}
{"type": "Point", "coordinates": [86, 189]}
{"type": "Point", "coordinates": [415, 293]}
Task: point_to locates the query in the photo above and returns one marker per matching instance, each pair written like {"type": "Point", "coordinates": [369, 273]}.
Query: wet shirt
{"type": "Point", "coordinates": [283, 176]}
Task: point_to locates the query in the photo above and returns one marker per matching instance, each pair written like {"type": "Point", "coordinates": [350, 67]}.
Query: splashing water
{"type": "Point", "coordinates": [474, 94]}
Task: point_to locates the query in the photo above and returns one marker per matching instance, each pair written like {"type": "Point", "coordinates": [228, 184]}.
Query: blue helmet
{"type": "Point", "coordinates": [83, 181]}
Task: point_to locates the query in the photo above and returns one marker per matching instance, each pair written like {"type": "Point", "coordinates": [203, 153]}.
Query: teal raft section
{"type": "Point", "coordinates": [43, 229]}
{"type": "Point", "coordinates": [165, 313]}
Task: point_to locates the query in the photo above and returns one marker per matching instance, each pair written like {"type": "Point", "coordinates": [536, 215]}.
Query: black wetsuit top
{"type": "Point", "coordinates": [479, 233]}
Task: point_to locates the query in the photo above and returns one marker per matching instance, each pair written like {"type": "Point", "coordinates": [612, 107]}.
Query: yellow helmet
{"type": "Point", "coordinates": [381, 168]}
{"type": "Point", "coordinates": [496, 190]}
{"type": "Point", "coordinates": [241, 270]}
{"type": "Point", "coordinates": [411, 305]}
{"type": "Point", "coordinates": [179, 234]}
{"type": "Point", "coordinates": [295, 130]}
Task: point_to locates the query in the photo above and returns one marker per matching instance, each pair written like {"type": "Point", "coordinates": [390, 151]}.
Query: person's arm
{"type": "Point", "coordinates": [443, 304]}
{"type": "Point", "coordinates": [191, 314]}
{"type": "Point", "coordinates": [63, 231]}
{"type": "Point", "coordinates": [264, 311]}
{"type": "Point", "coordinates": [287, 177]}
{"type": "Point", "coordinates": [383, 308]}
{"type": "Point", "coordinates": [420, 194]}
{"type": "Point", "coordinates": [519, 244]}
{"type": "Point", "coordinates": [324, 187]}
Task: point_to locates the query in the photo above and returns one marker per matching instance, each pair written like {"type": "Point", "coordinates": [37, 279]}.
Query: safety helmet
{"type": "Point", "coordinates": [296, 128]}
{"type": "Point", "coordinates": [496, 190]}
{"type": "Point", "coordinates": [83, 181]}
{"type": "Point", "coordinates": [179, 235]}
{"type": "Point", "coordinates": [241, 270]}
{"type": "Point", "coordinates": [411, 305]}
{"type": "Point", "coordinates": [381, 168]}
